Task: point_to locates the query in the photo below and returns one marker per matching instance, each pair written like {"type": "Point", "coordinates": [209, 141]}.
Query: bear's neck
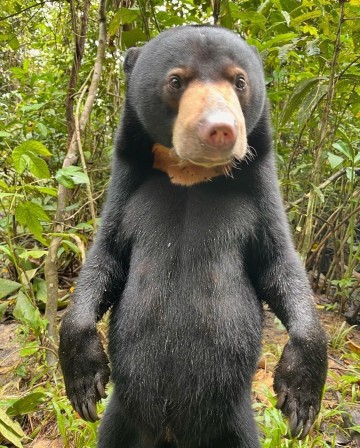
{"type": "Point", "coordinates": [183, 172]}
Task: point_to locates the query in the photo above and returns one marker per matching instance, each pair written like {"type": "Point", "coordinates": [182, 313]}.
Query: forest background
{"type": "Point", "coordinates": [61, 92]}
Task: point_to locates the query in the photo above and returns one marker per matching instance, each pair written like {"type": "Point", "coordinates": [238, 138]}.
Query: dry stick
{"type": "Point", "coordinates": [331, 179]}
{"type": "Point", "coordinates": [327, 235]}
{"type": "Point", "coordinates": [332, 231]}
{"type": "Point", "coordinates": [82, 158]}
{"type": "Point", "coordinates": [69, 218]}
{"type": "Point", "coordinates": [318, 252]}
{"type": "Point", "coordinates": [79, 38]}
{"type": "Point", "coordinates": [51, 275]}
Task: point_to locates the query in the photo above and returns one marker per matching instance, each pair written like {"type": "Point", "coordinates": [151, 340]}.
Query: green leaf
{"type": "Point", "coordinates": [26, 404]}
{"type": "Point", "coordinates": [5, 134]}
{"type": "Point", "coordinates": [42, 129]}
{"type": "Point", "coordinates": [30, 107]}
{"type": "Point", "coordinates": [334, 160]}
{"type": "Point", "coordinates": [35, 147]}
{"type": "Point", "coordinates": [318, 192]}
{"type": "Point", "coordinates": [295, 100]}
{"type": "Point", "coordinates": [33, 254]}
{"type": "Point", "coordinates": [7, 287]}
{"type": "Point", "coordinates": [287, 17]}
{"type": "Point", "coordinates": [40, 290]}
{"type": "Point", "coordinates": [44, 190]}
{"type": "Point", "coordinates": [27, 155]}
{"type": "Point", "coordinates": [310, 102]}
{"type": "Point", "coordinates": [14, 43]}
{"type": "Point", "coordinates": [30, 210]}
{"type": "Point", "coordinates": [3, 308]}
{"type": "Point", "coordinates": [10, 430]}
{"type": "Point", "coordinates": [308, 15]}
{"type": "Point", "coordinates": [122, 16]}
{"type": "Point", "coordinates": [169, 20]}
{"type": "Point", "coordinates": [10, 195]}
{"type": "Point", "coordinates": [343, 148]}
{"type": "Point", "coordinates": [31, 215]}
{"type": "Point", "coordinates": [61, 421]}
{"type": "Point", "coordinates": [133, 37]}
{"type": "Point", "coordinates": [281, 38]}
{"type": "Point", "coordinates": [350, 174]}
{"type": "Point", "coordinates": [71, 176]}
{"type": "Point", "coordinates": [71, 245]}
{"type": "Point", "coordinates": [18, 72]}
{"type": "Point", "coordinates": [19, 161]}
{"type": "Point", "coordinates": [29, 349]}
{"type": "Point", "coordinates": [25, 311]}
{"type": "Point", "coordinates": [3, 185]}
{"type": "Point", "coordinates": [225, 15]}
{"type": "Point", "coordinates": [38, 167]}
{"type": "Point", "coordinates": [5, 249]}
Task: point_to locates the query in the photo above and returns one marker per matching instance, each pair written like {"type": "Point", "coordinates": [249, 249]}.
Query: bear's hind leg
{"type": "Point", "coordinates": [241, 431]}
{"type": "Point", "coordinates": [117, 431]}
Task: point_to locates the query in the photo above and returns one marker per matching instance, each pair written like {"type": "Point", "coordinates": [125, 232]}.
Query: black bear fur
{"type": "Point", "coordinates": [185, 270]}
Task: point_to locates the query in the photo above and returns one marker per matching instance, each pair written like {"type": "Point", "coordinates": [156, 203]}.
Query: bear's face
{"type": "Point", "coordinates": [199, 90]}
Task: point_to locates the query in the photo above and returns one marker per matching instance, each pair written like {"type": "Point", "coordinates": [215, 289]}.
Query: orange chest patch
{"type": "Point", "coordinates": [183, 172]}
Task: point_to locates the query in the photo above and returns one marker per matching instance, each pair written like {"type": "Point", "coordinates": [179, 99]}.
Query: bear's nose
{"type": "Point", "coordinates": [218, 130]}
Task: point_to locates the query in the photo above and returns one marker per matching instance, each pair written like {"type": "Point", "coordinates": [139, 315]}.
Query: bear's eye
{"type": "Point", "coordinates": [175, 83]}
{"type": "Point", "coordinates": [240, 82]}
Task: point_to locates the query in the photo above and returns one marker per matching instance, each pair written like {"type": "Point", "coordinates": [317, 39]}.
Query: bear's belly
{"type": "Point", "coordinates": [185, 331]}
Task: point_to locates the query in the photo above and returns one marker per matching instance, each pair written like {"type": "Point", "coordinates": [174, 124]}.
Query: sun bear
{"type": "Point", "coordinates": [193, 241]}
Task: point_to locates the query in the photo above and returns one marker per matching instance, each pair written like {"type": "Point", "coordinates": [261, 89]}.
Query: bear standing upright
{"type": "Point", "coordinates": [193, 238]}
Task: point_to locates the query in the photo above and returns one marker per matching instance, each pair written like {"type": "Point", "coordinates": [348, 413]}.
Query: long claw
{"type": "Point", "coordinates": [281, 400]}
{"type": "Point", "coordinates": [298, 428]}
{"type": "Point", "coordinates": [100, 388]}
{"type": "Point", "coordinates": [93, 412]}
{"type": "Point", "coordinates": [79, 411]}
{"type": "Point", "coordinates": [86, 413]}
{"type": "Point", "coordinates": [309, 423]}
{"type": "Point", "coordinates": [293, 423]}
{"type": "Point", "coordinates": [306, 430]}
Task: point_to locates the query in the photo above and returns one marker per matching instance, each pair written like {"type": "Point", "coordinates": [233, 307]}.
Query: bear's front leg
{"type": "Point", "coordinates": [299, 379]}
{"type": "Point", "coordinates": [281, 281]}
{"type": "Point", "coordinates": [82, 357]}
{"type": "Point", "coordinates": [84, 365]}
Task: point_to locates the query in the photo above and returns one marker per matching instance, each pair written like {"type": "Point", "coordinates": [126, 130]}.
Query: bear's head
{"type": "Point", "coordinates": [199, 90]}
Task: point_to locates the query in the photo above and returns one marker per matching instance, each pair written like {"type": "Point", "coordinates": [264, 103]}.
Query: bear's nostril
{"type": "Point", "coordinates": [218, 131]}
{"type": "Point", "coordinates": [220, 136]}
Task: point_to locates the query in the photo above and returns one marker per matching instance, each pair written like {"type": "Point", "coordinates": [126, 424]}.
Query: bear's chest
{"type": "Point", "coordinates": [202, 217]}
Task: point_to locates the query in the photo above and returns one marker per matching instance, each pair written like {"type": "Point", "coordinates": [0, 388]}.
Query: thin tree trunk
{"type": "Point", "coordinates": [51, 275]}
{"type": "Point", "coordinates": [79, 34]}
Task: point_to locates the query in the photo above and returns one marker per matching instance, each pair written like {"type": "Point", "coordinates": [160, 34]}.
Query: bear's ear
{"type": "Point", "coordinates": [130, 60]}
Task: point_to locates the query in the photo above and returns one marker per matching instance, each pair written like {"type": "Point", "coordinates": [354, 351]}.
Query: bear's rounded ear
{"type": "Point", "coordinates": [130, 60]}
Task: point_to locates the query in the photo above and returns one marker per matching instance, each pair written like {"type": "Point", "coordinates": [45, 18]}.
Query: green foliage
{"type": "Point", "coordinates": [71, 176]}
{"type": "Point", "coordinates": [27, 155]}
{"type": "Point", "coordinates": [11, 430]}
{"type": "Point", "coordinates": [338, 338]}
